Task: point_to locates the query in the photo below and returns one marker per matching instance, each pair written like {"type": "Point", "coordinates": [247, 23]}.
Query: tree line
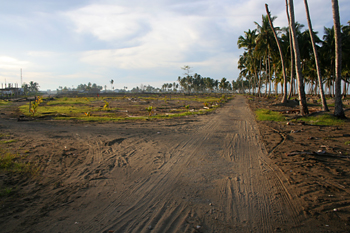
{"type": "Point", "coordinates": [276, 56]}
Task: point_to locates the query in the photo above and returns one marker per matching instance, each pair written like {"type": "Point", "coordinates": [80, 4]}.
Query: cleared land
{"type": "Point", "coordinates": [198, 173]}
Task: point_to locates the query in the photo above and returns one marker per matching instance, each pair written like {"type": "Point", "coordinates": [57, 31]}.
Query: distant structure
{"type": "Point", "coordinates": [10, 90]}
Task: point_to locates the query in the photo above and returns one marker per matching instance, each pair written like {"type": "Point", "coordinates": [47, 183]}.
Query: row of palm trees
{"type": "Point", "coordinates": [263, 64]}
{"type": "Point", "coordinates": [199, 84]}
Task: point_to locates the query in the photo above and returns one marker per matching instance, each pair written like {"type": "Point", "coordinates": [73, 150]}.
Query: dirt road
{"type": "Point", "coordinates": [198, 174]}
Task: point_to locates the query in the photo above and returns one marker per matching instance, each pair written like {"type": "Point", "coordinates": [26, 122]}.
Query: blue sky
{"type": "Point", "coordinates": [134, 42]}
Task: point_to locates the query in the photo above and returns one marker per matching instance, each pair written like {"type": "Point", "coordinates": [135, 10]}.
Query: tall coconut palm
{"type": "Point", "coordinates": [320, 85]}
{"type": "Point", "coordinates": [284, 99]}
{"type": "Point", "coordinates": [248, 43]}
{"type": "Point", "coordinates": [338, 105]}
{"type": "Point", "coordinates": [265, 44]}
{"type": "Point", "coordinates": [291, 53]}
{"type": "Point", "coordinates": [301, 89]}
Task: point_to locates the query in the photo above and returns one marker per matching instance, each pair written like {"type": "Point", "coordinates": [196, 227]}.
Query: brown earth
{"type": "Point", "coordinates": [205, 173]}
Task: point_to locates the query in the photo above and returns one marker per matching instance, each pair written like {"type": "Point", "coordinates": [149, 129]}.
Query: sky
{"type": "Point", "coordinates": [134, 42]}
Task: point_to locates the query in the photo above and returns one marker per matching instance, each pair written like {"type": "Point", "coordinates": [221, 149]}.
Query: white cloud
{"type": "Point", "coordinates": [7, 62]}
{"type": "Point", "coordinates": [43, 54]}
{"type": "Point", "coordinates": [109, 22]}
{"type": "Point", "coordinates": [171, 37]}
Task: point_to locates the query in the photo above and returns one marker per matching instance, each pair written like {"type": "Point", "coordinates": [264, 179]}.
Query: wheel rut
{"type": "Point", "coordinates": [212, 175]}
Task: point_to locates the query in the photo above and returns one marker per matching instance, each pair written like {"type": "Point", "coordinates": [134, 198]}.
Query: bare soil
{"type": "Point", "coordinates": [202, 173]}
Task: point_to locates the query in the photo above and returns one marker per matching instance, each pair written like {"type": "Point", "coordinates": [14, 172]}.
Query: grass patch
{"type": "Point", "coordinates": [68, 110]}
{"type": "Point", "coordinates": [326, 120]}
{"type": "Point", "coordinates": [347, 143]}
{"type": "Point", "coordinates": [3, 102]}
{"type": "Point", "coordinates": [8, 141]}
{"type": "Point", "coordinates": [94, 109]}
{"type": "Point", "coordinates": [133, 118]}
{"type": "Point", "coordinates": [11, 162]}
{"type": "Point", "coordinates": [268, 115]}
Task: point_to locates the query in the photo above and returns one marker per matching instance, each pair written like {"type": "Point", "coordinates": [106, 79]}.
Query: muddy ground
{"type": "Point", "coordinates": [220, 172]}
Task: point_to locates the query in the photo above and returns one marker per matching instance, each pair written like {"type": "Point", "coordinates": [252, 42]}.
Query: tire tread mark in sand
{"type": "Point", "coordinates": [146, 188]}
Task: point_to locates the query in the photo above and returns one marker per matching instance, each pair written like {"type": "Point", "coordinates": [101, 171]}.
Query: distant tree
{"type": "Point", "coordinates": [187, 69]}
{"type": "Point", "coordinates": [25, 87]}
{"type": "Point", "coordinates": [224, 84]}
{"type": "Point", "coordinates": [33, 86]}
{"type": "Point", "coordinates": [112, 81]}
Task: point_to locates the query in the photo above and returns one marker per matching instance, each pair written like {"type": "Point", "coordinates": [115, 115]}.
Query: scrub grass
{"type": "Point", "coordinates": [93, 109]}
{"type": "Point", "coordinates": [11, 162]}
{"type": "Point", "coordinates": [3, 102]}
{"type": "Point", "coordinates": [325, 119]}
{"type": "Point", "coordinates": [268, 115]}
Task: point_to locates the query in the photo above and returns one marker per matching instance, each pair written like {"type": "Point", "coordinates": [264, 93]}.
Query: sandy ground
{"type": "Point", "coordinates": [209, 173]}
{"type": "Point", "coordinates": [314, 161]}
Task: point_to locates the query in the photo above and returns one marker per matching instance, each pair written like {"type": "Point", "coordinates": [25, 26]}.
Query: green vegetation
{"type": "Point", "coordinates": [347, 143]}
{"type": "Point", "coordinates": [326, 119]}
{"type": "Point", "coordinates": [94, 109]}
{"type": "Point", "coordinates": [3, 102]}
{"type": "Point", "coordinates": [8, 141]}
{"type": "Point", "coordinates": [268, 115]}
{"type": "Point", "coordinates": [10, 162]}
{"type": "Point", "coordinates": [150, 110]}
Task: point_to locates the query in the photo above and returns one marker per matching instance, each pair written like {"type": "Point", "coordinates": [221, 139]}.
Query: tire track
{"type": "Point", "coordinates": [212, 177]}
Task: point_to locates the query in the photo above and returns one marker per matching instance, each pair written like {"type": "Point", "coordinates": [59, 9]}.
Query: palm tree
{"type": "Point", "coordinates": [284, 99]}
{"type": "Point", "coordinates": [301, 89]}
{"type": "Point", "coordinates": [338, 105]}
{"type": "Point", "coordinates": [33, 86]}
{"type": "Point", "coordinates": [112, 81]}
{"type": "Point", "coordinates": [323, 99]}
{"type": "Point", "coordinates": [248, 42]}
{"type": "Point", "coordinates": [266, 47]}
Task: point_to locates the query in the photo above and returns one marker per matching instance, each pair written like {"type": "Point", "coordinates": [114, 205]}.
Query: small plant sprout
{"type": "Point", "coordinates": [206, 105]}
{"type": "Point", "coordinates": [35, 105]}
{"type": "Point", "coordinates": [187, 107]}
{"type": "Point", "coordinates": [150, 110]}
{"type": "Point", "coordinates": [223, 98]}
{"type": "Point", "coordinates": [88, 114]}
{"type": "Point", "coordinates": [106, 106]}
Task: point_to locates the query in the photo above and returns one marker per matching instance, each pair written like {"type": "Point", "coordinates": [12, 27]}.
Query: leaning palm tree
{"type": "Point", "coordinates": [318, 69]}
{"type": "Point", "coordinates": [338, 105]}
{"type": "Point", "coordinates": [301, 89]}
{"type": "Point", "coordinates": [284, 99]}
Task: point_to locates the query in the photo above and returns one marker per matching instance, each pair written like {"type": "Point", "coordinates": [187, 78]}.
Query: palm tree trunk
{"type": "Point", "coordinates": [270, 78]}
{"type": "Point", "coordinates": [301, 89]}
{"type": "Point", "coordinates": [291, 56]}
{"type": "Point", "coordinates": [284, 98]}
{"type": "Point", "coordinates": [259, 87]}
{"type": "Point", "coordinates": [323, 99]}
{"type": "Point", "coordinates": [338, 105]}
